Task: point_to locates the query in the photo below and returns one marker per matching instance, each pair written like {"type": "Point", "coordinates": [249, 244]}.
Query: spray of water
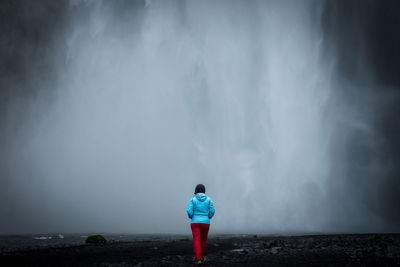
{"type": "Point", "coordinates": [155, 98]}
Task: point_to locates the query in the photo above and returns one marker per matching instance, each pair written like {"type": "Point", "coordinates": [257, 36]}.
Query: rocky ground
{"type": "Point", "coordinates": [243, 250]}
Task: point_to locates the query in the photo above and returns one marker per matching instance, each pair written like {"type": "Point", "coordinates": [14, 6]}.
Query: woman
{"type": "Point", "coordinates": [200, 210]}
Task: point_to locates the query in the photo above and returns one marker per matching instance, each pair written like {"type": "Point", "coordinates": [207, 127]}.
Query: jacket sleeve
{"type": "Point", "coordinates": [190, 209]}
{"type": "Point", "coordinates": [211, 210]}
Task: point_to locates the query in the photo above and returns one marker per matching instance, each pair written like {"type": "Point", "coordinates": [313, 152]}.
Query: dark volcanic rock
{"type": "Point", "coordinates": [96, 239]}
{"type": "Point", "coordinates": [318, 250]}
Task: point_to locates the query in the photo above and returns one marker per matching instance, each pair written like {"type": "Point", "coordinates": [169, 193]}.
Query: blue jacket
{"type": "Point", "coordinates": [200, 209]}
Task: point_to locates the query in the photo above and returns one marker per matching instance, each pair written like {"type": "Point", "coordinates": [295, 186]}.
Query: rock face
{"type": "Point", "coordinates": [96, 239]}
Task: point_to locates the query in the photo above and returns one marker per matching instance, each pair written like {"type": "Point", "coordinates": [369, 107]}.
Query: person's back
{"type": "Point", "coordinates": [200, 210]}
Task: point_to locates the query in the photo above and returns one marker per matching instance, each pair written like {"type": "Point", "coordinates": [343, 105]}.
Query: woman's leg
{"type": "Point", "coordinates": [203, 239]}
{"type": "Point", "coordinates": [196, 240]}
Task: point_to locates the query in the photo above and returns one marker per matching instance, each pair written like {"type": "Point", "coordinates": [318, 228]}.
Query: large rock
{"type": "Point", "coordinates": [96, 239]}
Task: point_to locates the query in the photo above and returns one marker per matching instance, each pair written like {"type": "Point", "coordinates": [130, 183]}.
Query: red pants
{"type": "Point", "coordinates": [200, 232]}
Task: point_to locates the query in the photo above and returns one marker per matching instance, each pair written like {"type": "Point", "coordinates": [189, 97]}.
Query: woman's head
{"type": "Point", "coordinates": [200, 189]}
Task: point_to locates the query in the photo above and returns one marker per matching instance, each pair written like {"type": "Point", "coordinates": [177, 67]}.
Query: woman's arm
{"type": "Point", "coordinates": [190, 209]}
{"type": "Point", "coordinates": [211, 210]}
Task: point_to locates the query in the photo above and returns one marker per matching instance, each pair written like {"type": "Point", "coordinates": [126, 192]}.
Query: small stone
{"type": "Point", "coordinates": [96, 239]}
{"type": "Point", "coordinates": [275, 250]}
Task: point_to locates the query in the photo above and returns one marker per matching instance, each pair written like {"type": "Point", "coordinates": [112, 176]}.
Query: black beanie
{"type": "Point", "coordinates": [200, 189]}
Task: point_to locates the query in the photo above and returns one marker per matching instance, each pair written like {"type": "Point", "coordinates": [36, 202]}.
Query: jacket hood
{"type": "Point", "coordinates": [201, 197]}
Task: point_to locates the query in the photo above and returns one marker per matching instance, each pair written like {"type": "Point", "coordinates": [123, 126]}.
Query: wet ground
{"type": "Point", "coordinates": [239, 250]}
